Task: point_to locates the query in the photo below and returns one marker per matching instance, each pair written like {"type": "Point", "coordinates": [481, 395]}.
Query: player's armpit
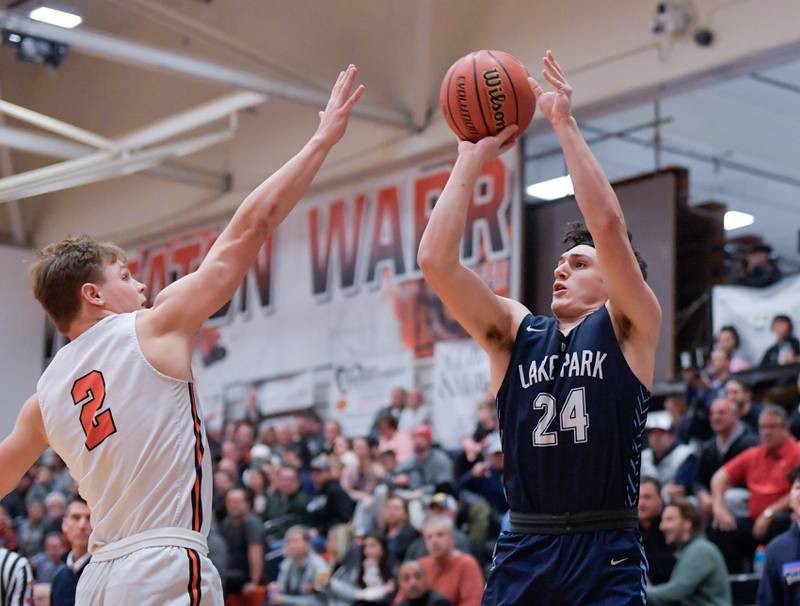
{"type": "Point", "coordinates": [632, 301]}
{"type": "Point", "coordinates": [23, 446]}
{"type": "Point", "coordinates": [489, 319]}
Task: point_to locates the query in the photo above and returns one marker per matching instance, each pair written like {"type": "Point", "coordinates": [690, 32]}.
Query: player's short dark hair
{"type": "Point", "coordinates": [62, 268]}
{"type": "Point", "coordinates": [732, 329]}
{"type": "Point", "coordinates": [688, 512]}
{"type": "Point", "coordinates": [578, 234]}
{"type": "Point", "coordinates": [793, 475]}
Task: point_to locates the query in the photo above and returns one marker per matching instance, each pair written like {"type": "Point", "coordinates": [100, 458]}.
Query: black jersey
{"type": "Point", "coordinates": [572, 417]}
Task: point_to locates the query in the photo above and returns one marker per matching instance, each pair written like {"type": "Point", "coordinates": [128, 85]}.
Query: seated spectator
{"type": "Point", "coordinates": [664, 456]}
{"type": "Point", "coordinates": [367, 578]}
{"type": "Point", "coordinates": [415, 412]}
{"type": "Point", "coordinates": [360, 480]}
{"type": "Point", "coordinates": [42, 486]}
{"type": "Point", "coordinates": [759, 270]}
{"type": "Point", "coordinates": [31, 529]}
{"type": "Point", "coordinates": [77, 527]}
{"type": "Point", "coordinates": [342, 450]}
{"type": "Point", "coordinates": [301, 571]}
{"type": "Point", "coordinates": [284, 434]}
{"type": "Point", "coordinates": [223, 482]}
{"type": "Point", "coordinates": [717, 374]}
{"type": "Point", "coordinates": [337, 544]}
{"type": "Point", "coordinates": [728, 341]}
{"type": "Point", "coordinates": [54, 504]}
{"type": "Point", "coordinates": [310, 441]}
{"type": "Point", "coordinates": [14, 502]}
{"type": "Point", "coordinates": [660, 555]}
{"type": "Point", "coordinates": [41, 594]}
{"type": "Point", "coordinates": [399, 533]}
{"type": "Point", "coordinates": [428, 467]}
{"type": "Point", "coordinates": [473, 444]}
{"type": "Point", "coordinates": [761, 469]}
{"type": "Point", "coordinates": [786, 348]}
{"type": "Point", "coordinates": [486, 478]}
{"type": "Point", "coordinates": [331, 505]}
{"type": "Point", "coordinates": [8, 536]}
{"type": "Point", "coordinates": [397, 402]}
{"type": "Point", "coordinates": [442, 505]}
{"type": "Point", "coordinates": [675, 405]}
{"type": "Point", "coordinates": [255, 480]}
{"type": "Point", "coordinates": [779, 579]}
{"type": "Point", "coordinates": [46, 563]}
{"type": "Point", "coordinates": [413, 584]}
{"type": "Point", "coordinates": [452, 573]}
{"type": "Point", "coordinates": [244, 538]}
{"type": "Point", "coordinates": [331, 430]}
{"type": "Point", "coordinates": [245, 438]}
{"type": "Point", "coordinates": [391, 438]}
{"type": "Point", "coordinates": [741, 394]}
{"type": "Point", "coordinates": [286, 503]}
{"type": "Point", "coordinates": [699, 576]}
{"type": "Point", "coordinates": [731, 438]}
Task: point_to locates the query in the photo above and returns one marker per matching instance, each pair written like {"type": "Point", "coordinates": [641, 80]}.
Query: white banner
{"type": "Point", "coordinates": [360, 389]}
{"type": "Point", "coordinates": [337, 292]}
{"type": "Point", "coordinates": [751, 311]}
{"type": "Point", "coordinates": [460, 382]}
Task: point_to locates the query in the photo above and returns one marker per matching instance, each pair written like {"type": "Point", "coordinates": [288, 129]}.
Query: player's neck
{"type": "Point", "coordinates": [84, 322]}
{"type": "Point", "coordinates": [567, 322]}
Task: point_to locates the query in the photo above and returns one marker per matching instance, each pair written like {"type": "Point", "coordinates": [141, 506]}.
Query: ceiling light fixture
{"type": "Point", "coordinates": [552, 189]}
{"type": "Point", "coordinates": [53, 16]}
{"type": "Point", "coordinates": [735, 219]}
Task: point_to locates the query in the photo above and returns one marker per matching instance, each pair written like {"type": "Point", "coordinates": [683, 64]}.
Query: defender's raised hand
{"type": "Point", "coordinates": [333, 120]}
{"type": "Point", "coordinates": [554, 105]}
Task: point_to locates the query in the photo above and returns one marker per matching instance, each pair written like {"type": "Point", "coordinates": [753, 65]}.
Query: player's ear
{"type": "Point", "coordinates": [90, 293]}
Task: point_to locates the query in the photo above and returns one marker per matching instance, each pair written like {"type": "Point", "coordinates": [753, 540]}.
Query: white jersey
{"type": "Point", "coordinates": [132, 438]}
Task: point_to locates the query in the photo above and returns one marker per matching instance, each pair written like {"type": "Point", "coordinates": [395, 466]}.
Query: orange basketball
{"type": "Point", "coordinates": [485, 91]}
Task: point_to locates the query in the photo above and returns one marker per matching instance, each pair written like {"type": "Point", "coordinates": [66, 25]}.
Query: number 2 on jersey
{"type": "Point", "coordinates": [90, 392]}
{"type": "Point", "coordinates": [573, 416]}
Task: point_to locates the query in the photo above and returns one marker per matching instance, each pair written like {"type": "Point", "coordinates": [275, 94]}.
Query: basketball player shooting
{"type": "Point", "coordinates": [117, 403]}
{"type": "Point", "coordinates": [572, 388]}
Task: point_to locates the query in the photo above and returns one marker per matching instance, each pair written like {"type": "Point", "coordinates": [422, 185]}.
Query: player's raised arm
{"type": "Point", "coordinates": [491, 320]}
{"type": "Point", "coordinates": [23, 446]}
{"type": "Point", "coordinates": [632, 302]}
{"type": "Point", "coordinates": [187, 303]}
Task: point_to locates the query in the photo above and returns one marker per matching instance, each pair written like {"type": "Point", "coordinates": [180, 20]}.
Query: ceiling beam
{"type": "Point", "coordinates": [102, 45]}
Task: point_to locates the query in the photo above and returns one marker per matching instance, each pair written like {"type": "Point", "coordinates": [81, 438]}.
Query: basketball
{"type": "Point", "coordinates": [485, 91]}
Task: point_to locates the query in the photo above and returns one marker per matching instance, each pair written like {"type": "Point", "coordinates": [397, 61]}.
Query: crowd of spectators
{"type": "Point", "coordinates": [305, 515]}
{"type": "Point", "coordinates": [718, 475]}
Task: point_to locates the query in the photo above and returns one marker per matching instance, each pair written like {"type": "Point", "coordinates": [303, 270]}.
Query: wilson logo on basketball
{"type": "Point", "coordinates": [494, 90]}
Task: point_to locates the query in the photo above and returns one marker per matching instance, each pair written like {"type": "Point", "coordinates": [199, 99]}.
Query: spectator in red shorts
{"type": "Point", "coordinates": [763, 471]}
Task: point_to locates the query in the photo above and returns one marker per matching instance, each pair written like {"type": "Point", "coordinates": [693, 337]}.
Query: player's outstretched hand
{"type": "Point", "coordinates": [333, 120]}
{"type": "Point", "coordinates": [555, 105]}
{"type": "Point", "coordinates": [489, 148]}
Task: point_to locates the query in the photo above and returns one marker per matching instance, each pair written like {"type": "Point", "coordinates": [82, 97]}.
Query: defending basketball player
{"type": "Point", "coordinates": [572, 388]}
{"type": "Point", "coordinates": [118, 405]}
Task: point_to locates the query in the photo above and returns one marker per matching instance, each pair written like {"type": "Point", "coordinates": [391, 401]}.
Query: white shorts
{"type": "Point", "coordinates": [157, 576]}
